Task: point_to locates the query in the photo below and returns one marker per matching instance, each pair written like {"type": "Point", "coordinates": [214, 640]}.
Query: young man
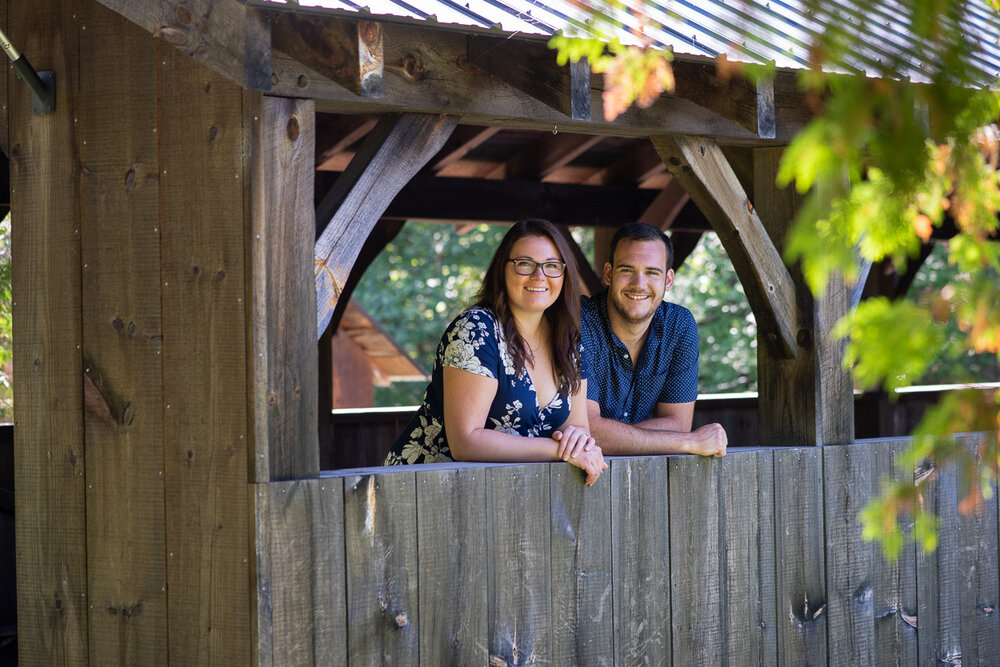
{"type": "Point", "coordinates": [643, 355]}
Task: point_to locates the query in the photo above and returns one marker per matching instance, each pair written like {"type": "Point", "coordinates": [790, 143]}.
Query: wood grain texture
{"type": "Point", "coordinates": [800, 559]}
{"type": "Point", "coordinates": [704, 172]}
{"type": "Point", "coordinates": [894, 582]}
{"type": "Point", "coordinates": [452, 553]}
{"type": "Point", "coordinates": [520, 579]}
{"type": "Point", "coordinates": [329, 574]}
{"type": "Point", "coordinates": [749, 606]}
{"type": "Point", "coordinates": [978, 569]}
{"type": "Point", "coordinates": [122, 341]}
{"type": "Point", "coordinates": [284, 355]}
{"type": "Point", "coordinates": [431, 71]}
{"type": "Point", "coordinates": [380, 526]}
{"type": "Point", "coordinates": [299, 572]}
{"type": "Point", "coordinates": [532, 69]}
{"type": "Point", "coordinates": [699, 618]}
{"type": "Point", "coordinates": [232, 39]}
{"type": "Point", "coordinates": [582, 599]}
{"type": "Point", "coordinates": [389, 156]}
{"type": "Point", "coordinates": [847, 471]}
{"type": "Point", "coordinates": [640, 526]}
{"type": "Point", "coordinates": [808, 399]}
{"type": "Point", "coordinates": [202, 229]}
{"type": "Point", "coordinates": [49, 453]}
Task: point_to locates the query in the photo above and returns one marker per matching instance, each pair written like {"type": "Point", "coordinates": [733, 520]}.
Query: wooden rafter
{"type": "Point", "coordinates": [465, 140]}
{"type": "Point", "coordinates": [667, 206]}
{"type": "Point", "coordinates": [700, 166]}
{"type": "Point", "coordinates": [544, 156]}
{"type": "Point", "coordinates": [226, 35]}
{"type": "Point", "coordinates": [390, 155]}
{"type": "Point", "coordinates": [334, 137]}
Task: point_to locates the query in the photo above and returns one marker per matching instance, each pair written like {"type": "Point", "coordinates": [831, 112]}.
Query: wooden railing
{"type": "Point", "coordinates": [753, 559]}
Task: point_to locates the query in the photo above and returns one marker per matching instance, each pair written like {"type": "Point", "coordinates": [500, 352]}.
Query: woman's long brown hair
{"type": "Point", "coordinates": [563, 315]}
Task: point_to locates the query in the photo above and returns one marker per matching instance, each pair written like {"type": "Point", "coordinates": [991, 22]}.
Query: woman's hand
{"type": "Point", "coordinates": [572, 440]}
{"type": "Point", "coordinates": [590, 461]}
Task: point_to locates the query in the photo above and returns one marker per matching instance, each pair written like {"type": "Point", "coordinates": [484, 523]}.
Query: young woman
{"type": "Point", "coordinates": [507, 382]}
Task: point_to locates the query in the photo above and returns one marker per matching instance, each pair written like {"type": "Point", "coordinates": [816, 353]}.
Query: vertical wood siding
{"type": "Point", "coordinates": [753, 559]}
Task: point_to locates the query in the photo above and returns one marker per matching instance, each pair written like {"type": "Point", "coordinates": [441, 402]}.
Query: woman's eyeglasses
{"type": "Point", "coordinates": [526, 267]}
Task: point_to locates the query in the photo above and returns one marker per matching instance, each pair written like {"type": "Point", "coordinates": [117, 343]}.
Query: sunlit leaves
{"type": "Point", "coordinates": [889, 343]}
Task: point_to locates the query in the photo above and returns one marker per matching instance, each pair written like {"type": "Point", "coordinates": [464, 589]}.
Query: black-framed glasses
{"type": "Point", "coordinates": [526, 267]}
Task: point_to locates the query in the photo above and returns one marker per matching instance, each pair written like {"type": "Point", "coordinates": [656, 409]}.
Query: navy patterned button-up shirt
{"type": "Point", "coordinates": [667, 369]}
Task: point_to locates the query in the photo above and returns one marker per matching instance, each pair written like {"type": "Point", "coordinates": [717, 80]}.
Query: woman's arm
{"type": "Point", "coordinates": [467, 400]}
{"type": "Point", "coordinates": [576, 445]}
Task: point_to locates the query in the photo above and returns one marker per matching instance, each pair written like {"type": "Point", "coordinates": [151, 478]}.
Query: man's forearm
{"type": "Point", "coordinates": [619, 439]}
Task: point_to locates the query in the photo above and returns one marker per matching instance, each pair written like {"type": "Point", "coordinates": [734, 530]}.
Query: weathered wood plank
{"type": "Point", "coordinates": [698, 617]}
{"type": "Point", "coordinates": [531, 68]}
{"type": "Point", "coordinates": [122, 340]}
{"type": "Point", "coordinates": [451, 552]}
{"type": "Point", "coordinates": [581, 569]}
{"type": "Point", "coordinates": [978, 570]}
{"type": "Point", "coordinates": [703, 171]}
{"type": "Point", "coordinates": [520, 584]}
{"type": "Point", "coordinates": [894, 583]}
{"type": "Point", "coordinates": [799, 549]}
{"type": "Point", "coordinates": [640, 546]}
{"type": "Point", "coordinates": [430, 71]}
{"type": "Point", "coordinates": [231, 38]}
{"type": "Point", "coordinates": [747, 104]}
{"type": "Point", "coordinates": [50, 489]}
{"type": "Point", "coordinates": [808, 399]}
{"type": "Point", "coordinates": [282, 229]}
{"type": "Point", "coordinates": [329, 575]}
{"type": "Point", "coordinates": [347, 52]}
{"type": "Point", "coordinates": [202, 230]}
{"type": "Point", "coordinates": [390, 155]}
{"type": "Point", "coordinates": [296, 577]}
{"type": "Point", "coordinates": [748, 604]}
{"type": "Point", "coordinates": [380, 526]}
{"type": "Point", "coordinates": [939, 620]}
{"type": "Point", "coordinates": [847, 473]}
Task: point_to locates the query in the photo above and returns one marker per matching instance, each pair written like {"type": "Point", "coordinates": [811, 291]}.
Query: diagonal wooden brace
{"type": "Point", "coordinates": [699, 166]}
{"type": "Point", "coordinates": [392, 153]}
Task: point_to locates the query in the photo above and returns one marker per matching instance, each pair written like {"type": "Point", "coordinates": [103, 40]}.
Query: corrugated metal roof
{"type": "Point", "coordinates": [759, 31]}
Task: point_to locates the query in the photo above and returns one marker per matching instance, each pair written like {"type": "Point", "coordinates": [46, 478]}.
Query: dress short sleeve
{"type": "Point", "coordinates": [471, 344]}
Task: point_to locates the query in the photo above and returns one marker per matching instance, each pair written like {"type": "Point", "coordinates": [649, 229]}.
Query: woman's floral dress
{"type": "Point", "coordinates": [475, 342]}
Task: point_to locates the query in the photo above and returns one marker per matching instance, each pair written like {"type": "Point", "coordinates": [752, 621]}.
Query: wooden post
{"type": "Point", "coordinates": [808, 399]}
{"type": "Point", "coordinates": [50, 500]}
{"type": "Point", "coordinates": [284, 354]}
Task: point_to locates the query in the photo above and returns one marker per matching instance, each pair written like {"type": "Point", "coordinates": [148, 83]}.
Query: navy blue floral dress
{"type": "Point", "coordinates": [475, 342]}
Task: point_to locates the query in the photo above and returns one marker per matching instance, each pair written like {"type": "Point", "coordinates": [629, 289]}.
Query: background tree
{"type": "Point", "coordinates": [891, 152]}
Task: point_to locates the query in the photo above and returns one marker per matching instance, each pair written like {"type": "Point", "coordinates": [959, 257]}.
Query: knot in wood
{"type": "Point", "coordinates": [803, 337]}
{"type": "Point", "coordinates": [292, 129]}
{"type": "Point", "coordinates": [401, 619]}
{"type": "Point", "coordinates": [413, 67]}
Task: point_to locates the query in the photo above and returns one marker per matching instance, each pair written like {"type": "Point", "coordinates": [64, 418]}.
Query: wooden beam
{"type": "Point", "coordinates": [283, 349]}
{"type": "Point", "coordinates": [454, 199]}
{"type": "Point", "coordinates": [466, 140]}
{"type": "Point", "coordinates": [749, 105]}
{"type": "Point", "coordinates": [226, 35]}
{"type": "Point", "coordinates": [666, 207]}
{"type": "Point", "coordinates": [335, 134]}
{"type": "Point", "coordinates": [808, 399]}
{"type": "Point", "coordinates": [348, 53]}
{"type": "Point", "coordinates": [391, 154]}
{"type": "Point", "coordinates": [429, 71]}
{"type": "Point", "coordinates": [545, 155]}
{"type": "Point", "coordinates": [634, 168]}
{"type": "Point", "coordinates": [531, 68]}
{"type": "Point", "coordinates": [684, 244]}
{"type": "Point", "coordinates": [699, 166]}
{"type": "Point", "coordinates": [591, 282]}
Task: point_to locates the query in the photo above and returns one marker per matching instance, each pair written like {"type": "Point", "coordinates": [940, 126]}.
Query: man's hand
{"type": "Point", "coordinates": [709, 440]}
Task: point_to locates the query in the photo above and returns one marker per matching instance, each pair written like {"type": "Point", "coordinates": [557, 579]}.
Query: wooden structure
{"type": "Point", "coordinates": [170, 284]}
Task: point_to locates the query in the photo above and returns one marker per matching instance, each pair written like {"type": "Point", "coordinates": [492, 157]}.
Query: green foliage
{"type": "Point", "coordinates": [707, 285]}
{"type": "Point", "coordinates": [423, 279]}
{"type": "Point", "coordinates": [6, 393]}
